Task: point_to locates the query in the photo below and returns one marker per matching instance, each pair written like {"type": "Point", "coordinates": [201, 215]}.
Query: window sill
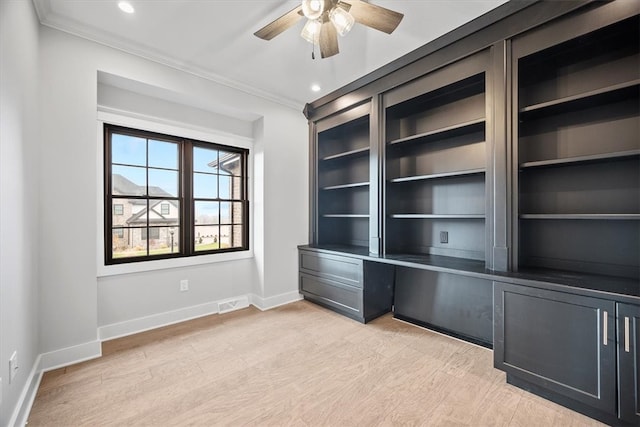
{"type": "Point", "coordinates": [162, 264]}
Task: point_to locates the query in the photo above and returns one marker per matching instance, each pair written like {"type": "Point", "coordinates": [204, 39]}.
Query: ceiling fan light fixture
{"type": "Point", "coordinates": [126, 7]}
{"type": "Point", "coordinates": [342, 20]}
{"type": "Point", "coordinates": [311, 31]}
{"type": "Point", "coordinates": [313, 9]}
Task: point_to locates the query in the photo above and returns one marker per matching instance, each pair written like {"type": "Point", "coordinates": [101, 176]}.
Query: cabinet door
{"type": "Point", "coordinates": [560, 342]}
{"type": "Point", "coordinates": [629, 362]}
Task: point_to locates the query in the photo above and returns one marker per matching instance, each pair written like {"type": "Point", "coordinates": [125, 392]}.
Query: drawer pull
{"type": "Point", "coordinates": [626, 335]}
{"type": "Point", "coordinates": [604, 327]}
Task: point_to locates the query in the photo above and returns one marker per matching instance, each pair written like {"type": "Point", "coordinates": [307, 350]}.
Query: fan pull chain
{"type": "Point", "coordinates": [313, 51]}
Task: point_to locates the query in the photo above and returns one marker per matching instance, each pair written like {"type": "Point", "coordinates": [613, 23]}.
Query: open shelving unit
{"type": "Point", "coordinates": [578, 154]}
{"type": "Point", "coordinates": [436, 167]}
{"type": "Point", "coordinates": [343, 152]}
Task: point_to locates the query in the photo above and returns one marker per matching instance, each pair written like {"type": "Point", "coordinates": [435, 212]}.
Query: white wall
{"type": "Point", "coordinates": [19, 242]}
{"type": "Point", "coordinates": [73, 301]}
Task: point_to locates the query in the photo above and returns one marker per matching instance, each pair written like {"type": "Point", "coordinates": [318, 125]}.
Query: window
{"type": "Point", "coordinates": [153, 233]}
{"type": "Point", "coordinates": [169, 197]}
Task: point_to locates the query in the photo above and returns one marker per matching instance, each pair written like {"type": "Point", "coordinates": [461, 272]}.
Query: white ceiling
{"type": "Point", "coordinates": [214, 38]}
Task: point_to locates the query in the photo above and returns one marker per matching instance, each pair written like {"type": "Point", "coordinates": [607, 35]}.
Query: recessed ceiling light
{"type": "Point", "coordinates": [315, 88]}
{"type": "Point", "coordinates": [126, 7]}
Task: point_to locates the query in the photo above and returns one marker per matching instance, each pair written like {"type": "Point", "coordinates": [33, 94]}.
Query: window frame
{"type": "Point", "coordinates": [186, 237]}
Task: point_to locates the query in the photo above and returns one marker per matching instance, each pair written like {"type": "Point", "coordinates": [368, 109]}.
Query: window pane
{"type": "Point", "coordinates": [207, 237]}
{"type": "Point", "coordinates": [225, 212]}
{"type": "Point", "coordinates": [163, 154]}
{"type": "Point", "coordinates": [237, 239]}
{"type": "Point", "coordinates": [225, 236]}
{"type": "Point", "coordinates": [173, 239]}
{"type": "Point", "coordinates": [230, 163]}
{"type": "Point", "coordinates": [165, 209]}
{"type": "Point", "coordinates": [205, 186]}
{"type": "Point", "coordinates": [207, 213]}
{"type": "Point", "coordinates": [172, 218]}
{"type": "Point", "coordinates": [225, 187]}
{"type": "Point", "coordinates": [130, 244]}
{"type": "Point", "coordinates": [236, 188]}
{"type": "Point", "coordinates": [161, 239]}
{"type": "Point", "coordinates": [205, 160]}
{"type": "Point", "coordinates": [134, 212]}
{"type": "Point", "coordinates": [163, 183]}
{"type": "Point", "coordinates": [236, 213]}
{"type": "Point", "coordinates": [128, 150]}
{"type": "Point", "coordinates": [128, 181]}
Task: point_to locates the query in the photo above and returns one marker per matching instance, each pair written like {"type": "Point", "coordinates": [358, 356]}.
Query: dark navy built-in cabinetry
{"type": "Point", "coordinates": [487, 186]}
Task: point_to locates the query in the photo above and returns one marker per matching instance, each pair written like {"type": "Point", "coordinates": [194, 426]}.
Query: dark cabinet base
{"type": "Point", "coordinates": [587, 410]}
{"type": "Point", "coordinates": [360, 290]}
{"type": "Point", "coordinates": [454, 304]}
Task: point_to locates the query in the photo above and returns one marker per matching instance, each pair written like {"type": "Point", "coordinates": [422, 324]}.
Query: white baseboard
{"type": "Point", "coordinates": [274, 301]}
{"type": "Point", "coordinates": [25, 402]}
{"type": "Point", "coordinates": [147, 323]}
{"type": "Point", "coordinates": [142, 324]}
{"type": "Point", "coordinates": [70, 355]}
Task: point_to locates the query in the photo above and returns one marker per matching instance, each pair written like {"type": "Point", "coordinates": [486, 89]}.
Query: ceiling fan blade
{"type": "Point", "coordinates": [376, 17]}
{"type": "Point", "coordinates": [328, 40]}
{"type": "Point", "coordinates": [281, 24]}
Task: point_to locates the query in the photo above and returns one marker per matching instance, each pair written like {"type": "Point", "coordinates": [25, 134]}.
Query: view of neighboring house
{"type": "Point", "coordinates": [137, 226]}
{"type": "Point", "coordinates": [130, 216]}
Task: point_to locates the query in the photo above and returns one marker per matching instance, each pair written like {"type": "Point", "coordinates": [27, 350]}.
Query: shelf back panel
{"type": "Point", "coordinates": [611, 187]}
{"type": "Point", "coordinates": [344, 201]}
{"type": "Point", "coordinates": [459, 195]}
{"type": "Point", "coordinates": [466, 237]}
{"type": "Point", "coordinates": [597, 130]}
{"type": "Point", "coordinates": [456, 154]}
{"type": "Point", "coordinates": [587, 246]}
{"type": "Point", "coordinates": [347, 137]}
{"type": "Point", "coordinates": [603, 58]}
{"type": "Point", "coordinates": [344, 231]}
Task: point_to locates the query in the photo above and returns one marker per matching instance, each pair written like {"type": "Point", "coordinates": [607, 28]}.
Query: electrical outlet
{"type": "Point", "coordinates": [13, 366]}
{"type": "Point", "coordinates": [184, 285]}
{"type": "Point", "coordinates": [444, 237]}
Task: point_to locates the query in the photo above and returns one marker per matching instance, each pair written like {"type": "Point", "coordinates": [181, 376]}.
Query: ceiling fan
{"type": "Point", "coordinates": [328, 18]}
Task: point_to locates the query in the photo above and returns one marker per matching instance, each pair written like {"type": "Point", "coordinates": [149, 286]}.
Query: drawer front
{"type": "Point", "coordinates": [335, 294]}
{"type": "Point", "coordinates": [344, 269]}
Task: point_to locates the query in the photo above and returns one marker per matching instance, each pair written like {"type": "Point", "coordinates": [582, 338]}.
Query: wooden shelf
{"type": "Point", "coordinates": [438, 216]}
{"type": "Point", "coordinates": [452, 130]}
{"type": "Point", "coordinates": [582, 216]}
{"type": "Point", "coordinates": [347, 154]}
{"type": "Point", "coordinates": [613, 91]}
{"type": "Point", "coordinates": [438, 175]}
{"type": "Point", "coordinates": [353, 185]}
{"type": "Point", "coordinates": [581, 159]}
{"type": "Point", "coordinates": [345, 216]}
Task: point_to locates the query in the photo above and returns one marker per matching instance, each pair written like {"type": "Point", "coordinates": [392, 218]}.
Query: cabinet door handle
{"type": "Point", "coordinates": [604, 327]}
{"type": "Point", "coordinates": [626, 335]}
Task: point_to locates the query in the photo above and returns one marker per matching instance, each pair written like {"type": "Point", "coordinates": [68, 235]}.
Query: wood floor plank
{"type": "Point", "coordinates": [296, 365]}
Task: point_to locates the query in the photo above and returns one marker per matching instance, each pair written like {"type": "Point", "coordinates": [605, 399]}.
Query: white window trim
{"type": "Point", "coordinates": [154, 124]}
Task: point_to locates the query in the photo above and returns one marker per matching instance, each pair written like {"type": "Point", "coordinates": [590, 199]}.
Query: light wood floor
{"type": "Point", "coordinates": [295, 365]}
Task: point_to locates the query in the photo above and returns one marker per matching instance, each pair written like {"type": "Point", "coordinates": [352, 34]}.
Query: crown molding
{"type": "Point", "coordinates": [50, 19]}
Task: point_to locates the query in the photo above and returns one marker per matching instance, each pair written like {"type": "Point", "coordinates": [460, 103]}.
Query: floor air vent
{"type": "Point", "coordinates": [232, 304]}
